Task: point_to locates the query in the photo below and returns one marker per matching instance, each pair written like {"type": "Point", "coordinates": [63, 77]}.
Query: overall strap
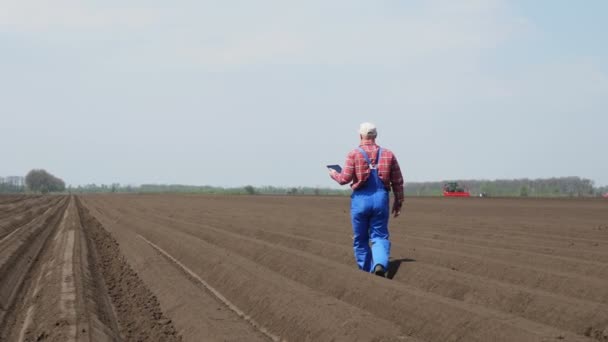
{"type": "Point", "coordinates": [369, 162]}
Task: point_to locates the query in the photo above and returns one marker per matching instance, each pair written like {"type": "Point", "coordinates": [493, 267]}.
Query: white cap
{"type": "Point", "coordinates": [368, 129]}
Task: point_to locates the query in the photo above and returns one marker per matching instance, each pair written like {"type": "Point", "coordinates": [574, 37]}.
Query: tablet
{"type": "Point", "coordinates": [335, 167]}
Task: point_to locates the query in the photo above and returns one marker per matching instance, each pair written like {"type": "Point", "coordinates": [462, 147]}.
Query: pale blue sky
{"type": "Point", "coordinates": [267, 92]}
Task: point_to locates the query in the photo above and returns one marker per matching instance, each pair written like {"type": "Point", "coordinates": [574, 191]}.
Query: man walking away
{"type": "Point", "coordinates": [372, 172]}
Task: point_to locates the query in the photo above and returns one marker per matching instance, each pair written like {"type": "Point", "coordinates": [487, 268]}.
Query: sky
{"type": "Point", "coordinates": [267, 92]}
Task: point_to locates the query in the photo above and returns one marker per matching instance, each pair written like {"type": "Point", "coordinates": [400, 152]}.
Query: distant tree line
{"type": "Point", "coordinates": [546, 187]}
{"type": "Point", "coordinates": [39, 180]}
{"type": "Point", "coordinates": [549, 187]}
{"type": "Point", "coordinates": [207, 189]}
{"type": "Point", "coordinates": [7, 188]}
{"type": "Point", "coordinates": [12, 184]}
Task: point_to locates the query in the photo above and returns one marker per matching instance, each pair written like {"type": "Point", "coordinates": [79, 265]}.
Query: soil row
{"type": "Point", "coordinates": [63, 278]}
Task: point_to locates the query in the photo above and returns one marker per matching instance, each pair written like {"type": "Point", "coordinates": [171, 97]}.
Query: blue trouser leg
{"type": "Point", "coordinates": [360, 216]}
{"type": "Point", "coordinates": [379, 236]}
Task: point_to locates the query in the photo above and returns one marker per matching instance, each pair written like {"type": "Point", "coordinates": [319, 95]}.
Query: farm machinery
{"type": "Point", "coordinates": [454, 189]}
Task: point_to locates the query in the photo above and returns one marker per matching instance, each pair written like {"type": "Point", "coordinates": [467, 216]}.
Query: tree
{"type": "Point", "coordinates": [40, 180]}
{"type": "Point", "coordinates": [250, 190]}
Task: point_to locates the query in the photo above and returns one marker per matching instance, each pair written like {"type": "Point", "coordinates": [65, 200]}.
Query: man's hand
{"type": "Point", "coordinates": [396, 209]}
{"type": "Point", "coordinates": [333, 173]}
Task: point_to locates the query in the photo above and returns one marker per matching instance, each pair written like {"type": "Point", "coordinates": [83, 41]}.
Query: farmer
{"type": "Point", "coordinates": [373, 171]}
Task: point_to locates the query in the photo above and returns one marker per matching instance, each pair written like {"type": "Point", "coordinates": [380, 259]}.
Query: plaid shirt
{"type": "Point", "coordinates": [357, 171]}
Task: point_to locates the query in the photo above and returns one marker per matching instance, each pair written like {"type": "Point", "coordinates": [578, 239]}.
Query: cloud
{"type": "Point", "coordinates": [46, 17]}
{"type": "Point", "coordinates": [427, 66]}
{"type": "Point", "coordinates": [573, 86]}
{"type": "Point", "coordinates": [220, 36]}
{"type": "Point", "coordinates": [388, 36]}
{"type": "Point", "coordinates": [212, 35]}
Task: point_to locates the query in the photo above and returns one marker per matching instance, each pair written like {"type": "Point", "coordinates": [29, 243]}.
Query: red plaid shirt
{"type": "Point", "coordinates": [357, 171]}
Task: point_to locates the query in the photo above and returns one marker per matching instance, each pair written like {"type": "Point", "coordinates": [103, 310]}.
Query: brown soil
{"type": "Point", "coordinates": [213, 268]}
{"type": "Point", "coordinates": [137, 309]}
{"type": "Point", "coordinates": [62, 278]}
{"type": "Point", "coordinates": [462, 269]}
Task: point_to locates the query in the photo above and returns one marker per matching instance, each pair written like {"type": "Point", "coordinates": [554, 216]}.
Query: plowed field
{"type": "Point", "coordinates": [213, 268]}
{"type": "Point", "coordinates": [62, 278]}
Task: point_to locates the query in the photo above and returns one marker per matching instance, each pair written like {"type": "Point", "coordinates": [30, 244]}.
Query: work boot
{"type": "Point", "coordinates": [379, 271]}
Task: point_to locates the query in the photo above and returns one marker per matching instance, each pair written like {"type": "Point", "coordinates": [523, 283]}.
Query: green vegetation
{"type": "Point", "coordinates": [548, 187]}
{"type": "Point", "coordinates": [551, 187]}
{"type": "Point", "coordinates": [7, 188]}
{"type": "Point", "coordinates": [39, 180]}
{"type": "Point", "coordinates": [206, 189]}
{"type": "Point", "coordinates": [250, 190]}
{"type": "Point", "coordinates": [42, 181]}
{"type": "Point", "coordinates": [523, 191]}
{"type": "Point", "coordinates": [12, 184]}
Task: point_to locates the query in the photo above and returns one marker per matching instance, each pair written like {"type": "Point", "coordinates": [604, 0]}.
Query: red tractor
{"type": "Point", "coordinates": [453, 189]}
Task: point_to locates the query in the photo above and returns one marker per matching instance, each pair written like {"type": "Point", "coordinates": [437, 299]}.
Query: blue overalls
{"type": "Point", "coordinates": [369, 211]}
